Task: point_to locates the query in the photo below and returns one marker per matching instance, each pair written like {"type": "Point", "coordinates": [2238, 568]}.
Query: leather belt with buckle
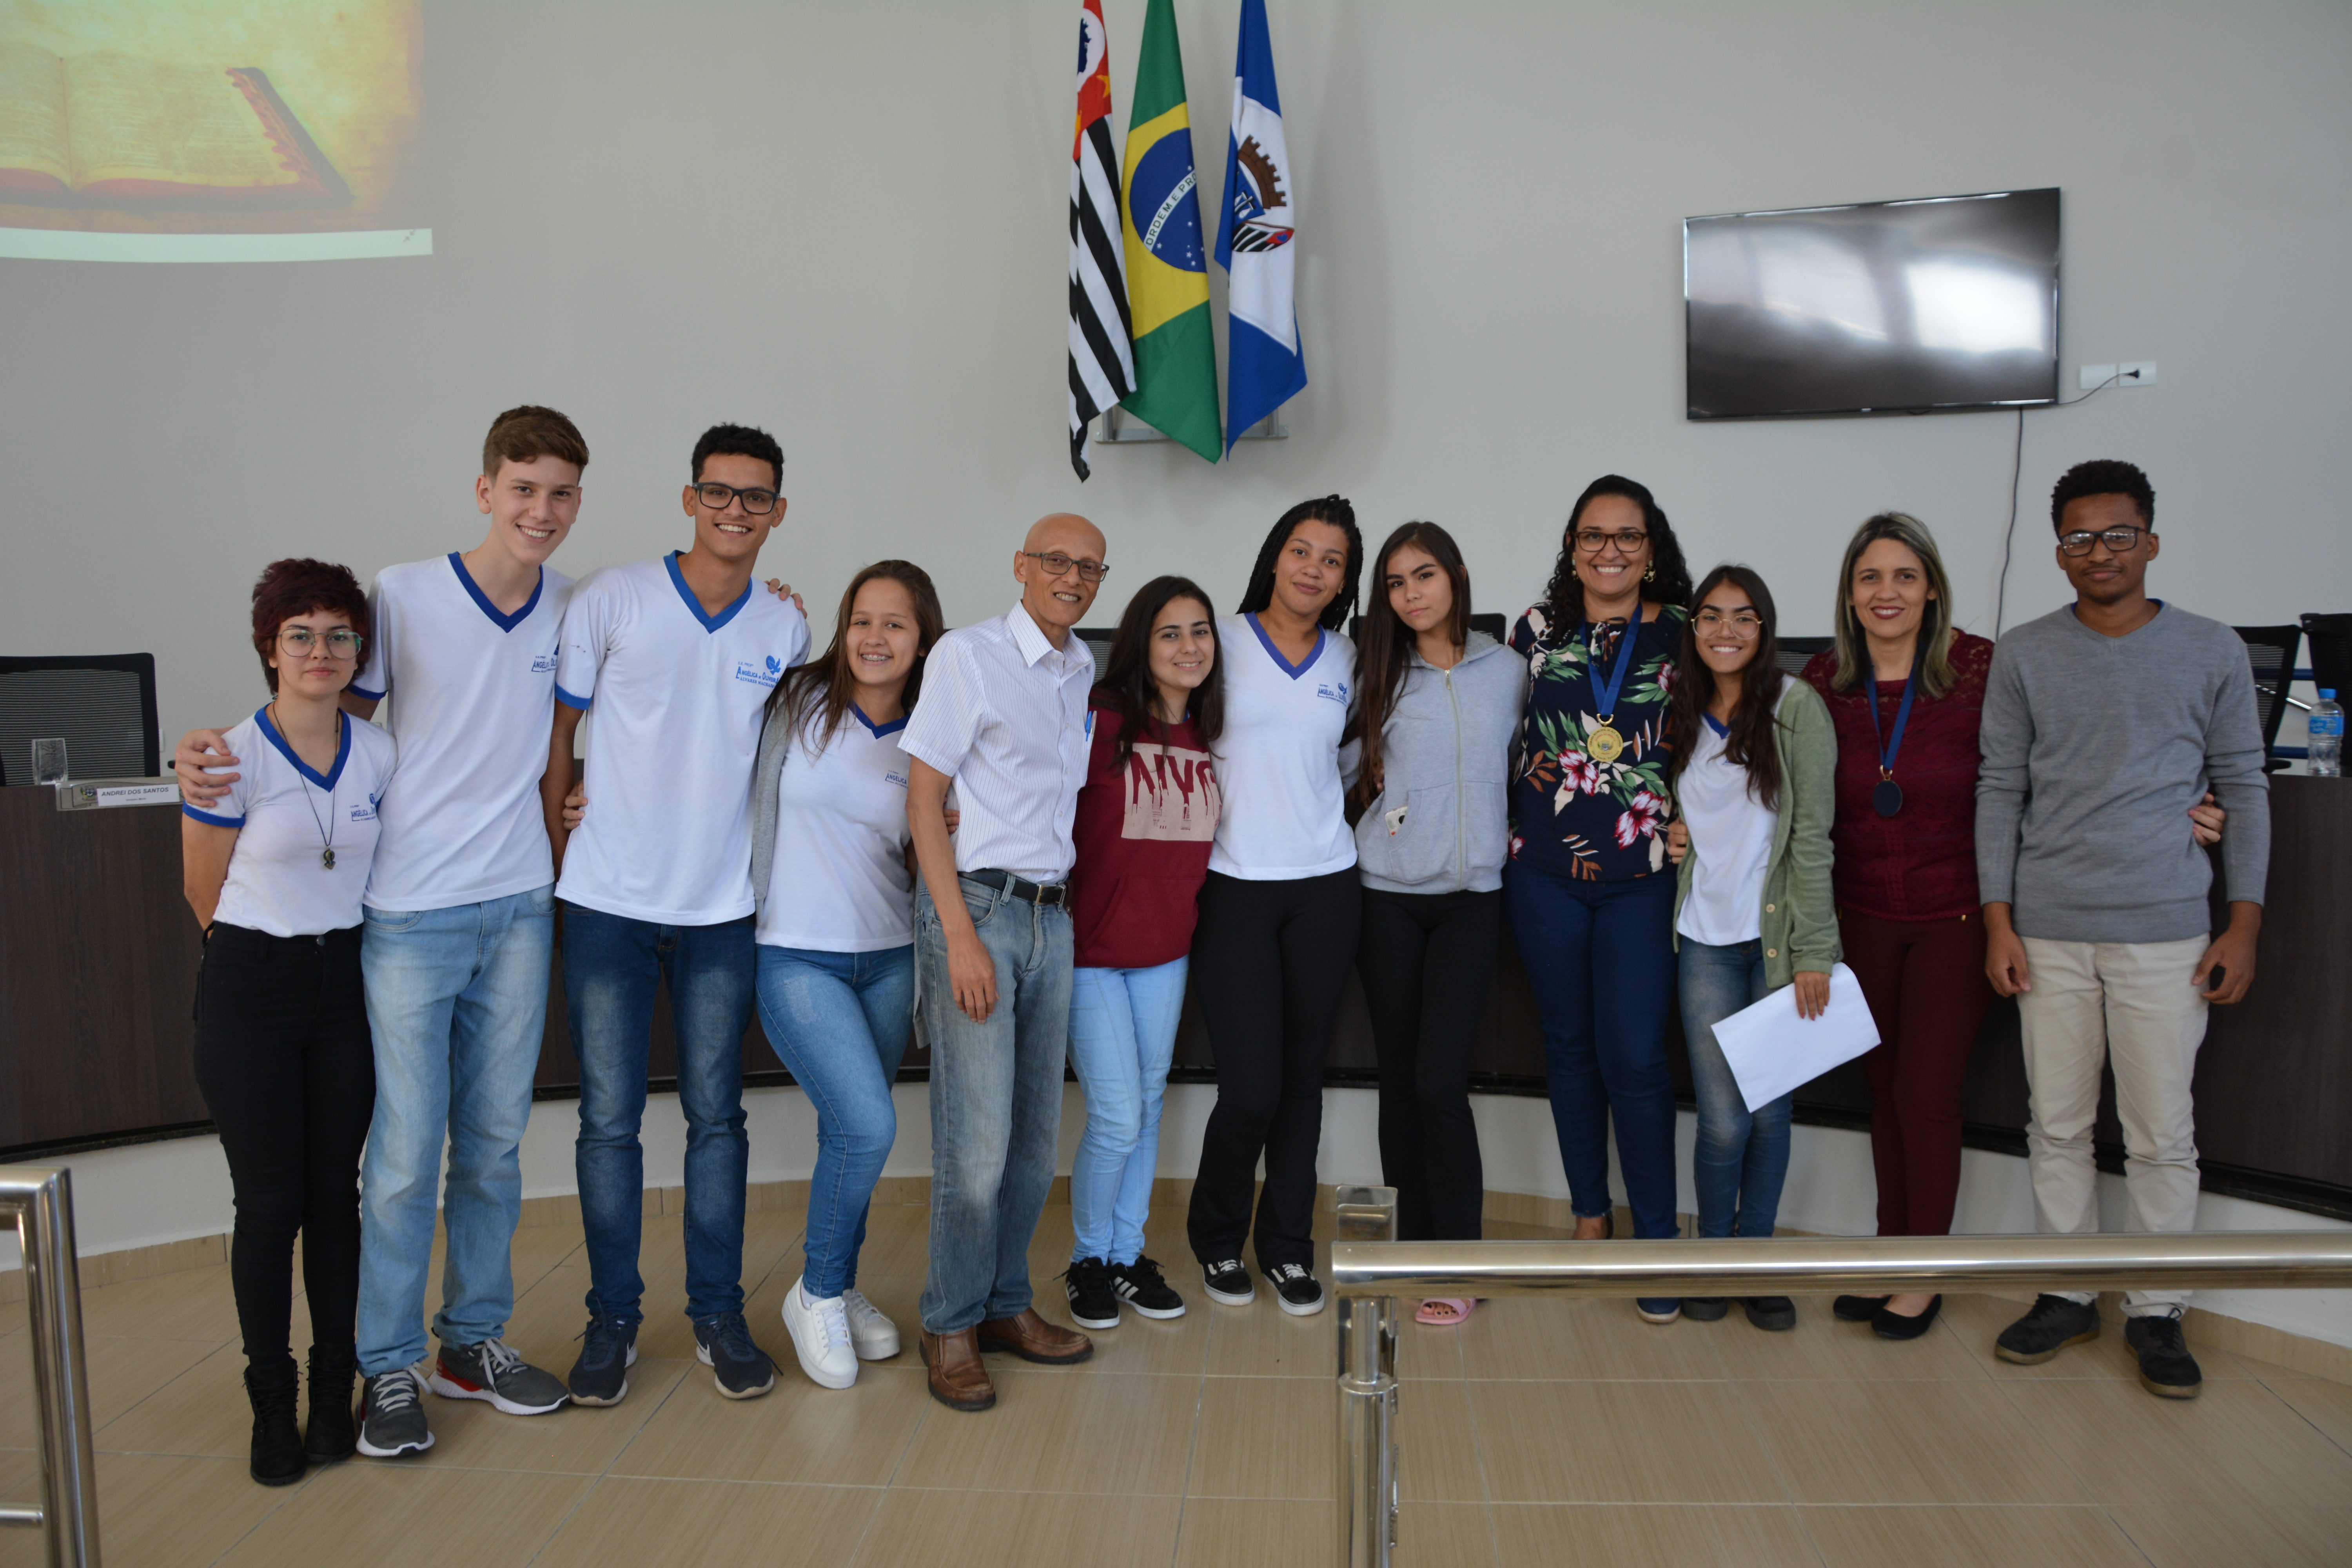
{"type": "Point", "coordinates": [1055, 897]}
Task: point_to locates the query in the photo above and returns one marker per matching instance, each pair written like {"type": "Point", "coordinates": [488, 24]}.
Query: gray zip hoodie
{"type": "Point", "coordinates": [1441, 822]}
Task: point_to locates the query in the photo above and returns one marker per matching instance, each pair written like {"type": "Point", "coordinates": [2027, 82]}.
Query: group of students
{"type": "Point", "coordinates": [969, 833]}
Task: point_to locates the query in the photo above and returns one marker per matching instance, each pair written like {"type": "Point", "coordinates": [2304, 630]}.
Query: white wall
{"type": "Point", "coordinates": [847, 222]}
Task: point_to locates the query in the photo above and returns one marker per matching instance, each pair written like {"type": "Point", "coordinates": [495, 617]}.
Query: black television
{"type": "Point", "coordinates": [1910, 307]}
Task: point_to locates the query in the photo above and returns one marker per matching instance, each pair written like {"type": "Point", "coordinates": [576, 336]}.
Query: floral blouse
{"type": "Point", "coordinates": [1571, 815]}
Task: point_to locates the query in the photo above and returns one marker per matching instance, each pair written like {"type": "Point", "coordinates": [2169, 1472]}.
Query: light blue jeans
{"type": "Point", "coordinates": [840, 1022]}
{"type": "Point", "coordinates": [1742, 1159]}
{"type": "Point", "coordinates": [1122, 1037]}
{"type": "Point", "coordinates": [456, 1000]}
{"type": "Point", "coordinates": [996, 1103]}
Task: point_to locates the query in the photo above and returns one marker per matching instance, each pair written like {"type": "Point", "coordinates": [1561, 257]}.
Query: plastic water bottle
{"type": "Point", "coordinates": [2326, 729]}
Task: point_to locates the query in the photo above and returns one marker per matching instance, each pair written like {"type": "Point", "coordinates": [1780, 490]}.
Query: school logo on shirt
{"type": "Point", "coordinates": [364, 811]}
{"type": "Point", "coordinates": [543, 665]}
{"type": "Point", "coordinates": [895, 777]}
{"type": "Point", "coordinates": [763, 675]}
{"type": "Point", "coordinates": [1335, 690]}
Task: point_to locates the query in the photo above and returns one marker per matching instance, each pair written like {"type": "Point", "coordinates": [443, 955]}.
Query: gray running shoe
{"type": "Point", "coordinates": [608, 1349]}
{"type": "Point", "coordinates": [742, 1369]}
{"type": "Point", "coordinates": [491, 1371]}
{"type": "Point", "coordinates": [392, 1415]}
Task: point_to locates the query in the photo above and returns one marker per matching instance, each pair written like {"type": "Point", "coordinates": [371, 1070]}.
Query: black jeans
{"type": "Point", "coordinates": [1269, 964]}
{"type": "Point", "coordinates": [284, 1060]}
{"type": "Point", "coordinates": [1426, 960]}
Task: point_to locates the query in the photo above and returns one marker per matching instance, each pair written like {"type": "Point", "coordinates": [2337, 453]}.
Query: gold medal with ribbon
{"type": "Point", "coordinates": [1603, 743]}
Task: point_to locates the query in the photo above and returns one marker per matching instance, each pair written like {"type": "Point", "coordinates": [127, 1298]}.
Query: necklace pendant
{"type": "Point", "coordinates": [1604, 744]}
{"type": "Point", "coordinates": [327, 858]}
{"type": "Point", "coordinates": [1886, 796]}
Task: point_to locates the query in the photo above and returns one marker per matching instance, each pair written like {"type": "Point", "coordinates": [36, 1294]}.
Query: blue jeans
{"type": "Point", "coordinates": [612, 967]}
{"type": "Point", "coordinates": [996, 1103]}
{"type": "Point", "coordinates": [1742, 1160]}
{"type": "Point", "coordinates": [1122, 1037]}
{"type": "Point", "coordinates": [1600, 958]}
{"type": "Point", "coordinates": [840, 1021]}
{"type": "Point", "coordinates": [456, 1000]}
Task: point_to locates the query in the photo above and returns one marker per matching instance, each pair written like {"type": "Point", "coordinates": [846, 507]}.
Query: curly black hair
{"type": "Point", "coordinates": [1333, 509]}
{"type": "Point", "coordinates": [1563, 597]}
{"type": "Point", "coordinates": [739, 441]}
{"type": "Point", "coordinates": [2103, 477]}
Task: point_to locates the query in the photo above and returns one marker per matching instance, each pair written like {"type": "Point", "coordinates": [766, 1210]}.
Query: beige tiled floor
{"type": "Point", "coordinates": [1540, 1433]}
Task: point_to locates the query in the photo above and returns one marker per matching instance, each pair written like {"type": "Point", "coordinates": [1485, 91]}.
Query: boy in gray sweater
{"type": "Point", "coordinates": [2103, 723]}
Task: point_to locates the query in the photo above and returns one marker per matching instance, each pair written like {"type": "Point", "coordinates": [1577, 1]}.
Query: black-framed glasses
{"type": "Point", "coordinates": [1592, 541]}
{"type": "Point", "coordinates": [2122, 540]}
{"type": "Point", "coordinates": [1739, 623]}
{"type": "Point", "coordinates": [718, 497]}
{"type": "Point", "coordinates": [1056, 563]}
{"type": "Point", "coordinates": [343, 643]}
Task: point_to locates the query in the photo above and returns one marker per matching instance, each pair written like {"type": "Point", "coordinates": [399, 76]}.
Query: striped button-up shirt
{"type": "Point", "coordinates": [1003, 713]}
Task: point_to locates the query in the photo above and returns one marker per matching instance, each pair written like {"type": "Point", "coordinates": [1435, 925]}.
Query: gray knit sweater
{"type": "Point", "coordinates": [2094, 749]}
{"type": "Point", "coordinates": [1440, 824]}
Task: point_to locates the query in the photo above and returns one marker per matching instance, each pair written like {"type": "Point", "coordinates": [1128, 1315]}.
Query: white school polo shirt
{"type": "Point", "coordinates": [1732, 834]}
{"type": "Point", "coordinates": [677, 697]}
{"type": "Point", "coordinates": [1278, 759]}
{"type": "Point", "coordinates": [473, 694]}
{"type": "Point", "coordinates": [840, 882]}
{"type": "Point", "coordinates": [1003, 713]}
{"type": "Point", "coordinates": [286, 813]}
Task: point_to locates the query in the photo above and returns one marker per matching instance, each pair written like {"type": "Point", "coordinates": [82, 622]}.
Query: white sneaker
{"type": "Point", "coordinates": [872, 1335]}
{"type": "Point", "coordinates": [820, 1333]}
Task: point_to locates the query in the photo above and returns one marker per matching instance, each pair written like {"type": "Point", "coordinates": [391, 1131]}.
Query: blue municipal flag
{"type": "Point", "coordinates": [1263, 365]}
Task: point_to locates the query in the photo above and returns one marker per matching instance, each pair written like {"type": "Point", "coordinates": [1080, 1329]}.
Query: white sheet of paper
{"type": "Point", "coordinates": [1771, 1050]}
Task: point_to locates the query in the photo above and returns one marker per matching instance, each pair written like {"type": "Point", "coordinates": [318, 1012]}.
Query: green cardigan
{"type": "Point", "coordinates": [1799, 913]}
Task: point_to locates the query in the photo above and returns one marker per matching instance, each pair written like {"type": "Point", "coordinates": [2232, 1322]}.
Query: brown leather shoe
{"type": "Point", "coordinates": [1031, 1338]}
{"type": "Point", "coordinates": [959, 1381]}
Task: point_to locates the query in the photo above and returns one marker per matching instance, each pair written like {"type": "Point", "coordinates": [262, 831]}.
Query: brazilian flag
{"type": "Point", "coordinates": [1167, 263]}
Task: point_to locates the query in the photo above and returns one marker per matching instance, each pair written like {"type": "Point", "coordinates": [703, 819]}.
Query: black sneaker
{"type": "Point", "coordinates": [2052, 1325]}
{"type": "Point", "coordinates": [2166, 1367]}
{"type": "Point", "coordinates": [741, 1368]}
{"type": "Point", "coordinates": [1092, 1303]}
{"type": "Point", "coordinates": [608, 1349]}
{"type": "Point", "coordinates": [1706, 1309]}
{"type": "Point", "coordinates": [1856, 1308]}
{"type": "Point", "coordinates": [1774, 1313]}
{"type": "Point", "coordinates": [1295, 1289]}
{"type": "Point", "coordinates": [1146, 1290]}
{"type": "Point", "coordinates": [1228, 1283]}
{"type": "Point", "coordinates": [392, 1415]}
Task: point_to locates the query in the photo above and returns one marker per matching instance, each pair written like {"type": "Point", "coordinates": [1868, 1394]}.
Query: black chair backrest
{"type": "Point", "coordinates": [1798, 652]}
{"type": "Point", "coordinates": [101, 705]}
{"type": "Point", "coordinates": [2331, 652]}
{"type": "Point", "coordinates": [2270, 650]}
{"type": "Point", "coordinates": [1098, 640]}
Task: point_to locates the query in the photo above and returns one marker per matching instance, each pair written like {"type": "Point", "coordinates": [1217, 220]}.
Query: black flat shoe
{"type": "Point", "coordinates": [1856, 1308]}
{"type": "Point", "coordinates": [1894, 1326]}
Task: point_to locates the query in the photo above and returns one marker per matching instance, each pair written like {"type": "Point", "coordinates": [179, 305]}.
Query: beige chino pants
{"type": "Point", "coordinates": [2131, 1005]}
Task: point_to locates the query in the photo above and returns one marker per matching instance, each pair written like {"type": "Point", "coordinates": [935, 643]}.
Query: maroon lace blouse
{"type": "Point", "coordinates": [1920, 864]}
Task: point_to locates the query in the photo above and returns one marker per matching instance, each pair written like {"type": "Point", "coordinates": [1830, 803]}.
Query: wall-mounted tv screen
{"type": "Point", "coordinates": [1881, 307]}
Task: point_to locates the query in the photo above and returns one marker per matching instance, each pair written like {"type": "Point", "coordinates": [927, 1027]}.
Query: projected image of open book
{"type": "Point", "coordinates": [108, 130]}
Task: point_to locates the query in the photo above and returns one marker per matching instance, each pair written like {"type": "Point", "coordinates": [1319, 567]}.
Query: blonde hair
{"type": "Point", "coordinates": [1936, 616]}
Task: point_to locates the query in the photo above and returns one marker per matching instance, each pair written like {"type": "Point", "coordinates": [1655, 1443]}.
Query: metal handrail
{"type": "Point", "coordinates": [40, 1200]}
{"type": "Point", "coordinates": [1369, 1271]}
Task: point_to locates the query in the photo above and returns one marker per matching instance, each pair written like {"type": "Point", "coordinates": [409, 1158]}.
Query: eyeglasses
{"type": "Point", "coordinates": [1592, 541]}
{"type": "Point", "coordinates": [341, 642]}
{"type": "Point", "coordinates": [717, 497]}
{"type": "Point", "coordinates": [1055, 564]}
{"type": "Point", "coordinates": [2122, 540]}
{"type": "Point", "coordinates": [1739, 623]}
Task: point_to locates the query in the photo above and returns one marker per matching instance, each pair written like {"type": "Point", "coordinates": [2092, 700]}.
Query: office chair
{"type": "Point", "coordinates": [102, 705]}
{"type": "Point", "coordinates": [2330, 636]}
{"type": "Point", "coordinates": [2270, 650]}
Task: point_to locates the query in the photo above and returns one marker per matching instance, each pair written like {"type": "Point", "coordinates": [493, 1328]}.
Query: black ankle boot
{"type": "Point", "coordinates": [273, 1387]}
{"type": "Point", "coordinates": [329, 1435]}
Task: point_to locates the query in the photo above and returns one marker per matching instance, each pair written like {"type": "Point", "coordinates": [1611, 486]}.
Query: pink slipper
{"type": "Point", "coordinates": [1443, 1311]}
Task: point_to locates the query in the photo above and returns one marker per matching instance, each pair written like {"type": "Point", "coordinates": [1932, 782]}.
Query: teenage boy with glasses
{"type": "Point", "coordinates": [677, 656]}
{"type": "Point", "coordinates": [1002, 717]}
{"type": "Point", "coordinates": [2103, 722]}
{"type": "Point", "coordinates": [458, 931]}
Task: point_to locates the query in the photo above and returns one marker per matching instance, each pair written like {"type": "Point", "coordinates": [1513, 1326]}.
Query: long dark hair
{"type": "Point", "coordinates": [1333, 509]}
{"type": "Point", "coordinates": [1753, 742]}
{"type": "Point", "coordinates": [1127, 684]}
{"type": "Point", "coordinates": [817, 694]}
{"type": "Point", "coordinates": [1388, 645]}
{"type": "Point", "coordinates": [1563, 600]}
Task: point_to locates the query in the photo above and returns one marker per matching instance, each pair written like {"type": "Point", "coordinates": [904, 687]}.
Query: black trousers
{"type": "Point", "coordinates": [1426, 960]}
{"type": "Point", "coordinates": [1269, 964]}
{"type": "Point", "coordinates": [287, 1069]}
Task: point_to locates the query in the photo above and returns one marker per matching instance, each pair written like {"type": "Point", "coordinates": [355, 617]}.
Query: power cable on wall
{"type": "Point", "coordinates": [2016, 476]}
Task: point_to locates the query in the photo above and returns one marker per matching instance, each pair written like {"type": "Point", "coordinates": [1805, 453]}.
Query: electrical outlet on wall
{"type": "Point", "coordinates": [2130, 373]}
